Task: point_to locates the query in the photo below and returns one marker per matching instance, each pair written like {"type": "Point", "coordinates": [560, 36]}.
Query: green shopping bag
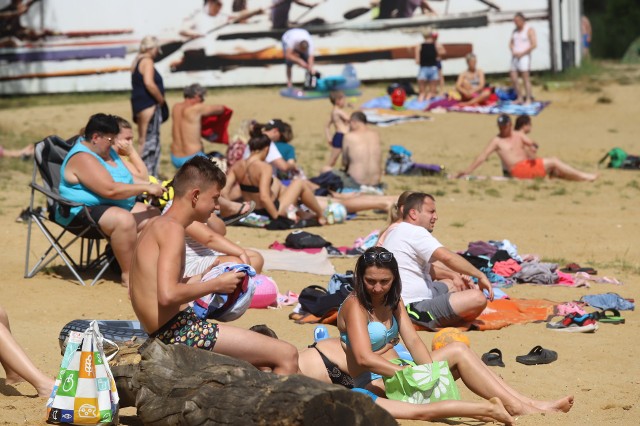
{"type": "Point", "coordinates": [422, 384]}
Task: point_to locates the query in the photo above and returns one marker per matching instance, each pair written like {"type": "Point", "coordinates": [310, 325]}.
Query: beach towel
{"type": "Point", "coordinates": [214, 128]}
{"type": "Point", "coordinates": [288, 260]}
{"type": "Point", "coordinates": [511, 108]}
{"type": "Point", "coordinates": [504, 312]}
{"type": "Point", "coordinates": [385, 118]}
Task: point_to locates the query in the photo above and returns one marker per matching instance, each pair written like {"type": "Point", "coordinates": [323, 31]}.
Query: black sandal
{"type": "Point", "coordinates": [493, 358]}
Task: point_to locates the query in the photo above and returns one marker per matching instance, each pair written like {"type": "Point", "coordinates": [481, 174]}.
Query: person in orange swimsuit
{"type": "Point", "coordinates": [517, 154]}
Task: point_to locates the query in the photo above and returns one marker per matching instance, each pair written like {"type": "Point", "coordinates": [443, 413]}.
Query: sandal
{"type": "Point", "coordinates": [574, 323]}
{"type": "Point", "coordinates": [538, 355]}
{"type": "Point", "coordinates": [493, 358]}
{"type": "Point", "coordinates": [614, 318]}
{"type": "Point", "coordinates": [230, 220]}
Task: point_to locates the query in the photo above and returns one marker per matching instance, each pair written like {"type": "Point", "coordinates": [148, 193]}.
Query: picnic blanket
{"type": "Point", "coordinates": [449, 103]}
{"type": "Point", "coordinates": [288, 260]}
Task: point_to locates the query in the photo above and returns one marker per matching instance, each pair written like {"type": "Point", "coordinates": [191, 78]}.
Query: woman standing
{"type": "Point", "coordinates": [148, 103]}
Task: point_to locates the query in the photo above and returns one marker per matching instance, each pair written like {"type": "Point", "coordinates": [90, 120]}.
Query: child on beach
{"type": "Point", "coordinates": [159, 294]}
{"type": "Point", "coordinates": [427, 55]}
{"type": "Point", "coordinates": [339, 119]}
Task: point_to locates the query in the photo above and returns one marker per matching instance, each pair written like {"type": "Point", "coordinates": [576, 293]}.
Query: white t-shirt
{"type": "Point", "coordinates": [294, 36]}
{"type": "Point", "coordinates": [272, 155]}
{"type": "Point", "coordinates": [413, 246]}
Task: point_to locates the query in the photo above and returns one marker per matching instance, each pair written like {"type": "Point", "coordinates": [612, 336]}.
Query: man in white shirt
{"type": "Point", "coordinates": [297, 48]}
{"type": "Point", "coordinates": [435, 295]}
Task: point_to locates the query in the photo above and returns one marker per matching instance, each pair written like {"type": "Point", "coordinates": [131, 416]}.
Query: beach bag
{"type": "Point", "coordinates": [318, 301]}
{"type": "Point", "coordinates": [304, 239]}
{"type": "Point", "coordinates": [327, 181]}
{"type": "Point", "coordinates": [338, 281]}
{"type": "Point", "coordinates": [619, 159]}
{"type": "Point", "coordinates": [84, 391]}
{"type": "Point", "coordinates": [421, 384]}
{"type": "Point", "coordinates": [399, 161]}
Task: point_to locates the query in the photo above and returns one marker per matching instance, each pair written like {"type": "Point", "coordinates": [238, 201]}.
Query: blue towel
{"type": "Point", "coordinates": [608, 301]}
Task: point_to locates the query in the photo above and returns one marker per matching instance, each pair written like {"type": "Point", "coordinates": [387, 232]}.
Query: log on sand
{"type": "Point", "coordinates": [175, 384]}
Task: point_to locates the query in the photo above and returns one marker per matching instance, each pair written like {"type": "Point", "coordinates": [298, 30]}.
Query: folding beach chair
{"type": "Point", "coordinates": [90, 253]}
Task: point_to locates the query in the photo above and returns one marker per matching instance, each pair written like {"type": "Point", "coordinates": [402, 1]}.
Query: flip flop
{"type": "Point", "coordinates": [574, 267]}
{"type": "Point", "coordinates": [230, 220]}
{"type": "Point", "coordinates": [614, 318]}
{"type": "Point", "coordinates": [538, 355]}
{"type": "Point", "coordinates": [573, 323]}
{"type": "Point", "coordinates": [493, 358]}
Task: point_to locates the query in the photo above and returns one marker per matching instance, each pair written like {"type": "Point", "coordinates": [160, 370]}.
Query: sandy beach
{"type": "Point", "coordinates": [594, 224]}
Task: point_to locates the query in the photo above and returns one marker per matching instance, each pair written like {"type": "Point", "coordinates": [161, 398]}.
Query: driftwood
{"type": "Point", "coordinates": [175, 384]}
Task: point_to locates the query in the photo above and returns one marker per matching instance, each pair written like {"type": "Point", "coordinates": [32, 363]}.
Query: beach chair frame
{"type": "Point", "coordinates": [91, 254]}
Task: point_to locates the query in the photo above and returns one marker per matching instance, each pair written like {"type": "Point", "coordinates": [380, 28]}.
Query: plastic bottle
{"type": "Point", "coordinates": [330, 218]}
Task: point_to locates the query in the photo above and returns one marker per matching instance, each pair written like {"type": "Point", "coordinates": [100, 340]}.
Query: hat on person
{"type": "Point", "coordinates": [275, 123]}
{"type": "Point", "coordinates": [503, 120]}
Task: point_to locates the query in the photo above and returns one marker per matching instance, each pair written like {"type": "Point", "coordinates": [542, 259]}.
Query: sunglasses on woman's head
{"type": "Point", "coordinates": [383, 256]}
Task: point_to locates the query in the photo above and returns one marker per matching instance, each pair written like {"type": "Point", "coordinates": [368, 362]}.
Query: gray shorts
{"type": "Point", "coordinates": [435, 312]}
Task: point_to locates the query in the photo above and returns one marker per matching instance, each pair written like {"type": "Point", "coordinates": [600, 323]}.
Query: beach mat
{"type": "Point", "coordinates": [305, 95]}
{"type": "Point", "coordinates": [385, 118]}
{"type": "Point", "coordinates": [504, 312]}
{"type": "Point", "coordinates": [511, 108]}
{"type": "Point", "coordinates": [288, 260]}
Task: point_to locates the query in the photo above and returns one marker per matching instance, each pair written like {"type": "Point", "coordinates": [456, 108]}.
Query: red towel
{"type": "Point", "coordinates": [215, 127]}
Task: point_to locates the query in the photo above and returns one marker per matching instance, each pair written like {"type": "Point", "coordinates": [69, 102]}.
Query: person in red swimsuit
{"type": "Point", "coordinates": [517, 154]}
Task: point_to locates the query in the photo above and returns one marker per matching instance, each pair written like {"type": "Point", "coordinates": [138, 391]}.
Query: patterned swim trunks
{"type": "Point", "coordinates": [187, 329]}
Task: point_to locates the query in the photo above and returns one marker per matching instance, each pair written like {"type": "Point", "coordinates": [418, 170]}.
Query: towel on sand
{"type": "Point", "coordinates": [288, 260]}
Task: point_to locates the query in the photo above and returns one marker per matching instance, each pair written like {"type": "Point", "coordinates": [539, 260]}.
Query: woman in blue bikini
{"type": "Point", "coordinates": [372, 320]}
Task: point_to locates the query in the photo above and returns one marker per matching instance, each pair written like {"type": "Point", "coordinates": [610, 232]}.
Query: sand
{"type": "Point", "coordinates": [589, 223]}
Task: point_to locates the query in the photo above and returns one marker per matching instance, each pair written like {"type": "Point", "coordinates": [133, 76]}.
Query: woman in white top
{"type": "Point", "coordinates": [523, 41]}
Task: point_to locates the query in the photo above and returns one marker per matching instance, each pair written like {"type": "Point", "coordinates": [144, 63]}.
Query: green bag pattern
{"type": "Point", "coordinates": [422, 384]}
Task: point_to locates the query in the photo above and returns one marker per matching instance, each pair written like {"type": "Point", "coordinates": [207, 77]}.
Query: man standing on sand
{"type": "Point", "coordinates": [297, 48]}
{"type": "Point", "coordinates": [361, 154]}
{"type": "Point", "coordinates": [186, 128]}
{"type": "Point", "coordinates": [515, 152]}
{"type": "Point", "coordinates": [160, 295]}
{"type": "Point", "coordinates": [523, 41]}
{"type": "Point", "coordinates": [435, 295]}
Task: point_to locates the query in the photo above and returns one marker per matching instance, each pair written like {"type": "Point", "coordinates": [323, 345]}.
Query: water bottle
{"type": "Point", "coordinates": [320, 333]}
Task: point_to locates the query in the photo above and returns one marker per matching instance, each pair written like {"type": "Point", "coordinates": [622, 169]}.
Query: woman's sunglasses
{"type": "Point", "coordinates": [383, 256]}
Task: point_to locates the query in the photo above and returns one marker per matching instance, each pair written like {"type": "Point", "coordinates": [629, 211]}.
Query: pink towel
{"type": "Point", "coordinates": [506, 268]}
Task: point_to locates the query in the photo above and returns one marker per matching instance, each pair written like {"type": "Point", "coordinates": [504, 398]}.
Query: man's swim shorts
{"type": "Point", "coordinates": [529, 169]}
{"type": "Point", "coordinates": [187, 329]}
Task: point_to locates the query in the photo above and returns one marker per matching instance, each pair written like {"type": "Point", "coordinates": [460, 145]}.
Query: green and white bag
{"type": "Point", "coordinates": [85, 391]}
{"type": "Point", "coordinates": [422, 384]}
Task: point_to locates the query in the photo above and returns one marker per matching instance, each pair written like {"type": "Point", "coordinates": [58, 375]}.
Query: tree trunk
{"type": "Point", "coordinates": [175, 384]}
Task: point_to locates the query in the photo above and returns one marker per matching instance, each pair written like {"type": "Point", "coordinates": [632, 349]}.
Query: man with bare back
{"type": "Point", "coordinates": [362, 153]}
{"type": "Point", "coordinates": [515, 152]}
{"type": "Point", "coordinates": [187, 117]}
{"type": "Point", "coordinates": [160, 295]}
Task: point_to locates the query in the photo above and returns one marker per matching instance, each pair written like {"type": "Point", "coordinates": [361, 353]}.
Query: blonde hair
{"type": "Point", "coordinates": [149, 43]}
{"type": "Point", "coordinates": [395, 212]}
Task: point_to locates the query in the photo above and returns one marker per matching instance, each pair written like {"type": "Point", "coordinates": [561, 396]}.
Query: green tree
{"type": "Point", "coordinates": [615, 25]}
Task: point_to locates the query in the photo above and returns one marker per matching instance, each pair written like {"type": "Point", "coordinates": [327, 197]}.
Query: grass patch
{"type": "Point", "coordinates": [439, 193]}
{"type": "Point", "coordinates": [559, 191]}
{"type": "Point", "coordinates": [604, 99]}
{"type": "Point", "coordinates": [10, 102]}
{"type": "Point", "coordinates": [492, 192]}
{"type": "Point", "coordinates": [633, 184]}
{"type": "Point", "coordinates": [523, 197]}
{"type": "Point", "coordinates": [458, 224]}
{"type": "Point", "coordinates": [456, 190]}
{"type": "Point", "coordinates": [612, 130]}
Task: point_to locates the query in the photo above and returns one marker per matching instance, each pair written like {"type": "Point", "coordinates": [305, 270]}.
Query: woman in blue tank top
{"type": "Point", "coordinates": [94, 174]}
{"type": "Point", "coordinates": [371, 320]}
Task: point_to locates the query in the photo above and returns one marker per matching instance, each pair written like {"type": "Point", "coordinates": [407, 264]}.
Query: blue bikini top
{"type": "Point", "coordinates": [379, 335]}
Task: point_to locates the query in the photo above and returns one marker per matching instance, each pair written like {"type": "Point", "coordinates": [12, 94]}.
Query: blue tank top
{"type": "Point", "coordinates": [379, 335]}
{"type": "Point", "coordinates": [81, 194]}
{"type": "Point", "coordinates": [140, 96]}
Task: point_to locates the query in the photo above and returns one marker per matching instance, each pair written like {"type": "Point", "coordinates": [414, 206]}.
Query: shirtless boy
{"type": "Point", "coordinates": [340, 122]}
{"type": "Point", "coordinates": [159, 293]}
{"type": "Point", "coordinates": [512, 149]}
{"type": "Point", "coordinates": [186, 128]}
{"type": "Point", "coordinates": [362, 152]}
